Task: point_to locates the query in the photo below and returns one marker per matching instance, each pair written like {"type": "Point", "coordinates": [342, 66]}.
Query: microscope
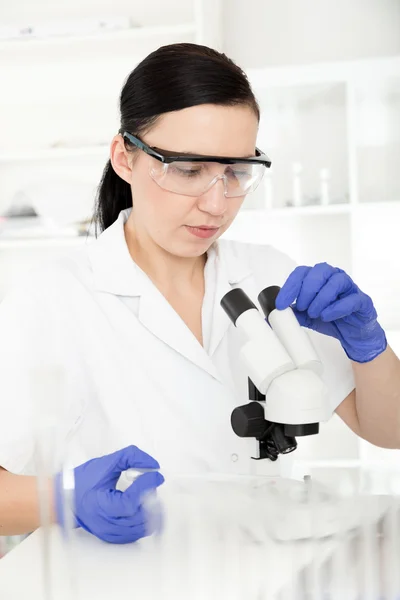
{"type": "Point", "coordinates": [289, 399]}
{"type": "Point", "coordinates": [287, 396]}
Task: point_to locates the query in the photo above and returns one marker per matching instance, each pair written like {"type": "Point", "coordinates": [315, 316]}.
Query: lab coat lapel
{"type": "Point", "coordinates": [158, 316]}
{"type": "Point", "coordinates": [221, 321]}
{"type": "Point", "coordinates": [232, 271]}
{"type": "Point", "coordinates": [115, 272]}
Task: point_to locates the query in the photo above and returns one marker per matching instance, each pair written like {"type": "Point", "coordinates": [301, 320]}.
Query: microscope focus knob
{"type": "Point", "coordinates": [249, 420]}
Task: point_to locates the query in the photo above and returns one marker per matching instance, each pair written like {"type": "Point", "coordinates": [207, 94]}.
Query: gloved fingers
{"type": "Point", "coordinates": [122, 535]}
{"type": "Point", "coordinates": [131, 457]}
{"type": "Point", "coordinates": [112, 508]}
{"type": "Point", "coordinates": [335, 286]}
{"type": "Point", "coordinates": [313, 283]}
{"type": "Point", "coordinates": [142, 518]}
{"type": "Point", "coordinates": [367, 311]}
{"type": "Point", "coordinates": [115, 504]}
{"type": "Point", "coordinates": [342, 308]}
{"type": "Point", "coordinates": [134, 494]}
{"type": "Point", "coordinates": [316, 324]}
{"type": "Point", "coordinates": [115, 534]}
{"type": "Point", "coordinates": [291, 288]}
{"type": "Point", "coordinates": [101, 523]}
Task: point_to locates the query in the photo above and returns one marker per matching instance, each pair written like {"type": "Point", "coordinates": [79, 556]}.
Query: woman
{"type": "Point", "coordinates": [150, 361]}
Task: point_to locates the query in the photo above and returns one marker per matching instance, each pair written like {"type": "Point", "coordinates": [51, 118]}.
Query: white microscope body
{"type": "Point", "coordinates": [284, 372]}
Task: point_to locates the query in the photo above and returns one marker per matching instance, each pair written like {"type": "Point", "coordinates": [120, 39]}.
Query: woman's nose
{"type": "Point", "coordinates": [213, 200]}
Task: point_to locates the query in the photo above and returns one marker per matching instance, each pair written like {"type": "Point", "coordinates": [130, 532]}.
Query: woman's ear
{"type": "Point", "coordinates": [121, 159]}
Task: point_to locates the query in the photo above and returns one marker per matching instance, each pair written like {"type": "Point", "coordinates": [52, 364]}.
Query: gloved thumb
{"type": "Point", "coordinates": [132, 457]}
{"type": "Point", "coordinates": [145, 483]}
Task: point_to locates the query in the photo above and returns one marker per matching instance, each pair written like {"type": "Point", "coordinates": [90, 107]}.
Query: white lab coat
{"type": "Point", "coordinates": [134, 372]}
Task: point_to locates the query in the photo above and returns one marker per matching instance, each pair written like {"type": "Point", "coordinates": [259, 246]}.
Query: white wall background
{"type": "Point", "coordinates": [270, 32]}
{"type": "Point", "coordinates": [144, 13]}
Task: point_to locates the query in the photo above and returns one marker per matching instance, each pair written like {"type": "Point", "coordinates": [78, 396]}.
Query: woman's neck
{"type": "Point", "coordinates": [167, 271]}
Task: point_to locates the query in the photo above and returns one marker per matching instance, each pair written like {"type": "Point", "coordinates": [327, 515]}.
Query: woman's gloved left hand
{"type": "Point", "coordinates": [328, 301]}
{"type": "Point", "coordinates": [102, 510]}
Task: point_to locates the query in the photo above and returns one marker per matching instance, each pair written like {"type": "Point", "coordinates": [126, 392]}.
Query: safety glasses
{"type": "Point", "coordinates": [193, 175]}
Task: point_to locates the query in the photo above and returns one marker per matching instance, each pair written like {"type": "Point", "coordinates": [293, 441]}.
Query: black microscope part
{"type": "Point", "coordinates": [284, 443]}
{"type": "Point", "coordinates": [301, 430]}
{"type": "Point", "coordinates": [254, 392]}
{"type": "Point", "coordinates": [248, 420]}
{"type": "Point", "coordinates": [235, 303]}
{"type": "Point", "coordinates": [267, 299]}
{"type": "Point", "coordinates": [267, 449]}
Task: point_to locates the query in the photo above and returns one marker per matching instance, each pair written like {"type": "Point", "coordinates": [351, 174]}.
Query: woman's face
{"type": "Point", "coordinates": [169, 218]}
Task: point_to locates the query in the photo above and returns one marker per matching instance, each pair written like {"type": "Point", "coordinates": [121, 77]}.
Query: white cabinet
{"type": "Point", "coordinates": [304, 129]}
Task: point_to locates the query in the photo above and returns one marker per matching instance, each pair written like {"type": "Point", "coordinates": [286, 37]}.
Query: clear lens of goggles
{"type": "Point", "coordinates": [195, 178]}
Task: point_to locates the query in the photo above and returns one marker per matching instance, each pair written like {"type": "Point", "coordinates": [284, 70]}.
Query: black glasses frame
{"type": "Point", "coordinates": [166, 157]}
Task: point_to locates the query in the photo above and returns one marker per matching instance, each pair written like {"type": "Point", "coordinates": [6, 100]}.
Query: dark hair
{"type": "Point", "coordinates": [171, 78]}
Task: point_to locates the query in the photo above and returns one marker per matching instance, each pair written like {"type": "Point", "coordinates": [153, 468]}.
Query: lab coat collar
{"type": "Point", "coordinates": [116, 273]}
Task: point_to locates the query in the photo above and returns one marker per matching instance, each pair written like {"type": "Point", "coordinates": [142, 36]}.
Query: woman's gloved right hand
{"type": "Point", "coordinates": [109, 514]}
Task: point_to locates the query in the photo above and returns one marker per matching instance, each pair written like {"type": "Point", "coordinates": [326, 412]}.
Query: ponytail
{"type": "Point", "coordinates": [113, 195]}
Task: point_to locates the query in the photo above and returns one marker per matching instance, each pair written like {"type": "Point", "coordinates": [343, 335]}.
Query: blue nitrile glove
{"type": "Point", "coordinates": [328, 301]}
{"type": "Point", "coordinates": [109, 514]}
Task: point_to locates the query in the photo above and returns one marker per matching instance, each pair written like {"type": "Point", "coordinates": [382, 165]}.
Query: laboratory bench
{"type": "Point", "coordinates": [201, 563]}
{"type": "Point", "coordinates": [89, 568]}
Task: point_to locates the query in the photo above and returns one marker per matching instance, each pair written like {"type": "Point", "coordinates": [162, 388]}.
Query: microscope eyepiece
{"type": "Point", "coordinates": [235, 303]}
{"type": "Point", "coordinates": [267, 299]}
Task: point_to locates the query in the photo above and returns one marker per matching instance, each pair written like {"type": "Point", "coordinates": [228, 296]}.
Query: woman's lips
{"type": "Point", "coordinates": [202, 232]}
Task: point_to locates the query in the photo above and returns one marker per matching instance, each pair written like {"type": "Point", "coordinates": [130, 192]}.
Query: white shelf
{"type": "Point", "coordinates": [56, 153]}
{"type": "Point", "coordinates": [128, 46]}
{"type": "Point", "coordinates": [320, 73]}
{"type": "Point", "coordinates": [42, 242]}
{"type": "Point", "coordinates": [133, 33]}
{"type": "Point", "coordinates": [334, 209]}
{"type": "Point", "coordinates": [365, 206]}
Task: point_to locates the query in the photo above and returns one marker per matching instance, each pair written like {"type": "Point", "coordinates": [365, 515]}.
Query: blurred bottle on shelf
{"type": "Point", "coordinates": [268, 188]}
{"type": "Point", "coordinates": [324, 178]}
{"type": "Point", "coordinates": [297, 170]}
